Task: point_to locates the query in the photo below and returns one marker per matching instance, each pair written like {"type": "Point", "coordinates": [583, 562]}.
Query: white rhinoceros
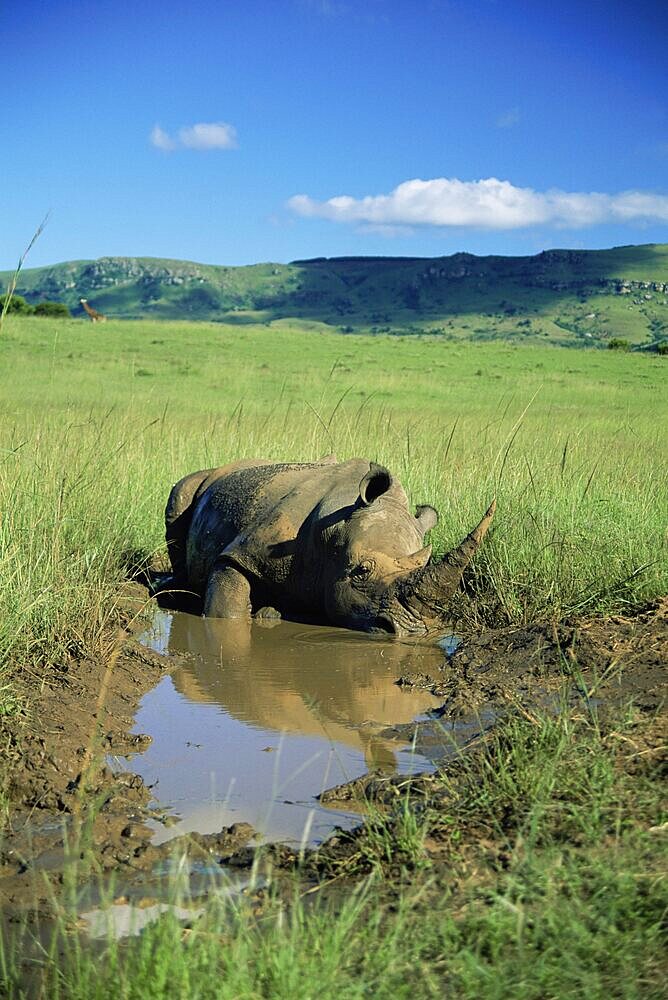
{"type": "Point", "coordinates": [332, 541]}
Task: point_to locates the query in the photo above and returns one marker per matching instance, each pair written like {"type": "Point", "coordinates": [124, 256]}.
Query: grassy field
{"type": "Point", "coordinates": [97, 422]}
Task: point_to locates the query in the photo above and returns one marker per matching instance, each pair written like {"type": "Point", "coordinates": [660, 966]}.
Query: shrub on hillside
{"type": "Point", "coordinates": [617, 344]}
{"type": "Point", "coordinates": [17, 304]}
{"type": "Point", "coordinates": [53, 309]}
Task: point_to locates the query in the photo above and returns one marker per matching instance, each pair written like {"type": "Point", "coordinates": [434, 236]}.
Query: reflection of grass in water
{"type": "Point", "coordinates": [542, 879]}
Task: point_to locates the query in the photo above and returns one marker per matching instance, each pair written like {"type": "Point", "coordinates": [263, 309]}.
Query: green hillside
{"type": "Point", "coordinates": [567, 296]}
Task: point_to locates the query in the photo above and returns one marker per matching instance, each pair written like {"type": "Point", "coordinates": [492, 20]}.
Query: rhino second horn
{"type": "Point", "coordinates": [430, 587]}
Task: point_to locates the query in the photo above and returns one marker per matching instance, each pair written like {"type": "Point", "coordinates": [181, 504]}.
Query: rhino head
{"type": "Point", "coordinates": [379, 574]}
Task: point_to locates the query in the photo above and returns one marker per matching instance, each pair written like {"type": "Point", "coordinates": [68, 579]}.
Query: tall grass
{"type": "Point", "coordinates": [11, 284]}
{"type": "Point", "coordinates": [71, 528]}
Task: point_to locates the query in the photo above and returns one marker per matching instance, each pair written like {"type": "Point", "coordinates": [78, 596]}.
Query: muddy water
{"type": "Point", "coordinates": [258, 720]}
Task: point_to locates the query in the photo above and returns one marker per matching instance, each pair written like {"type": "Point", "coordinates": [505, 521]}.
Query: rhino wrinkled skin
{"type": "Point", "coordinates": [334, 541]}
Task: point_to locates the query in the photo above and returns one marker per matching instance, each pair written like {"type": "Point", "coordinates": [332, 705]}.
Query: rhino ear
{"type": "Point", "coordinates": [376, 482]}
{"type": "Point", "coordinates": [426, 516]}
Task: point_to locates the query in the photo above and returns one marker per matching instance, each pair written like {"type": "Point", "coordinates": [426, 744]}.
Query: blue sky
{"type": "Point", "coordinates": [236, 132]}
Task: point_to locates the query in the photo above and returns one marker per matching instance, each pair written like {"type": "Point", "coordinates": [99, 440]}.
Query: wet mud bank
{"type": "Point", "coordinates": [82, 778]}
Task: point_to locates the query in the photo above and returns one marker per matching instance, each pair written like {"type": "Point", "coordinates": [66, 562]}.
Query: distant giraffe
{"type": "Point", "coordinates": [95, 316]}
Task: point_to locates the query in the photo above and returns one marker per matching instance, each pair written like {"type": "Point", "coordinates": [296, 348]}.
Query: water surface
{"type": "Point", "coordinates": [258, 720]}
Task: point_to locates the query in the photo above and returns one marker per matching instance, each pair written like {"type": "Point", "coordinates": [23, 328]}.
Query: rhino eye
{"type": "Point", "coordinates": [361, 572]}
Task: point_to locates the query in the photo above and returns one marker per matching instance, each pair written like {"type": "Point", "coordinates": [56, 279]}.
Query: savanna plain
{"type": "Point", "coordinates": [532, 863]}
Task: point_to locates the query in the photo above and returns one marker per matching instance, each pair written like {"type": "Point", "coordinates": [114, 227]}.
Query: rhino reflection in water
{"type": "Point", "coordinates": [334, 541]}
{"type": "Point", "coordinates": [304, 679]}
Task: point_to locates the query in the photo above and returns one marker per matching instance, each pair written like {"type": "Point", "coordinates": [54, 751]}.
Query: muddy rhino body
{"type": "Point", "coordinates": [333, 541]}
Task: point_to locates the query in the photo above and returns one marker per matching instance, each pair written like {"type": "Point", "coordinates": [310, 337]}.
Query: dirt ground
{"type": "Point", "coordinates": [55, 750]}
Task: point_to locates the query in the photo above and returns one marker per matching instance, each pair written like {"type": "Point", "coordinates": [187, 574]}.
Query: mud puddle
{"type": "Point", "coordinates": [249, 726]}
{"type": "Point", "coordinates": [254, 723]}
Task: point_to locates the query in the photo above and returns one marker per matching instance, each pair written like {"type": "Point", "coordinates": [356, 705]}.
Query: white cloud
{"type": "Point", "coordinates": [160, 139]}
{"type": "Point", "coordinates": [209, 135]}
{"type": "Point", "coordinates": [487, 203]}
{"type": "Point", "coordinates": [508, 118]}
{"type": "Point", "coordinates": [203, 135]}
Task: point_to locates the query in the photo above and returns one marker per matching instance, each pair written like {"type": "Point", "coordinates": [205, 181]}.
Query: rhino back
{"type": "Point", "coordinates": [253, 515]}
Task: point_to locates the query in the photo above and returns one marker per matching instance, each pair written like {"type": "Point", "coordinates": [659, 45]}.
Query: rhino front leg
{"type": "Point", "coordinates": [227, 593]}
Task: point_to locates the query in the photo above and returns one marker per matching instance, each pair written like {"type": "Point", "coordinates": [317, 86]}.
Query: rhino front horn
{"type": "Point", "coordinates": [428, 589]}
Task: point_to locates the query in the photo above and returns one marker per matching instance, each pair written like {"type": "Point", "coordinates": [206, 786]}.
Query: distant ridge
{"type": "Point", "coordinates": [569, 296]}
{"type": "Point", "coordinates": [348, 260]}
